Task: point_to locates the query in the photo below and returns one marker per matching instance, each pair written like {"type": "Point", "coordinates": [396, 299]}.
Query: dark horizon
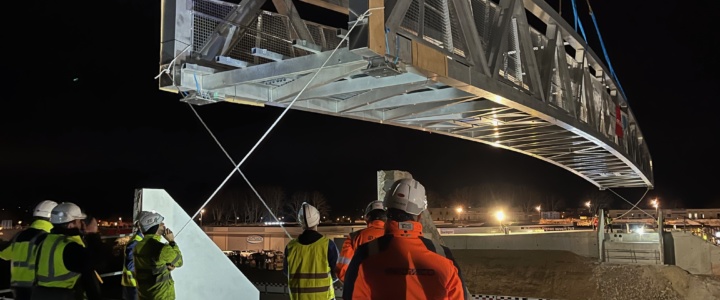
{"type": "Point", "coordinates": [85, 122]}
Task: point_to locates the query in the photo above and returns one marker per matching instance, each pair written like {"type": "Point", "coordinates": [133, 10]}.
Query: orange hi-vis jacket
{"type": "Point", "coordinates": [403, 264]}
{"type": "Point", "coordinates": [374, 230]}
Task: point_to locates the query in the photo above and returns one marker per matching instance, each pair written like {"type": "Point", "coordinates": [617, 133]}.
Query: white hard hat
{"type": "Point", "coordinates": [44, 209]}
{"type": "Point", "coordinates": [308, 216]}
{"type": "Point", "coordinates": [407, 195]}
{"type": "Point", "coordinates": [139, 217]}
{"type": "Point", "coordinates": [148, 220]}
{"type": "Point", "coordinates": [66, 212]}
{"type": "Point", "coordinates": [377, 204]}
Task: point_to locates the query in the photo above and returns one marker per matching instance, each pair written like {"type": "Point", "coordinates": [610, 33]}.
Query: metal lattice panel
{"type": "Point", "coordinates": [459, 46]}
{"type": "Point", "coordinates": [206, 17]}
{"type": "Point", "coordinates": [484, 17]}
{"type": "Point", "coordinates": [496, 80]}
{"type": "Point", "coordinates": [411, 22]}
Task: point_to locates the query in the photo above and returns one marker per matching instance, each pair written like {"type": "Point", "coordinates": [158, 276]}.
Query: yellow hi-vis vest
{"type": "Point", "coordinates": [127, 275]}
{"type": "Point", "coordinates": [51, 271]}
{"type": "Point", "coordinates": [151, 257]}
{"type": "Point", "coordinates": [308, 271]}
{"type": "Point", "coordinates": [22, 270]}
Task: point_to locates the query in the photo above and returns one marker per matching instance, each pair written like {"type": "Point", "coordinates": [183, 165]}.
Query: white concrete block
{"type": "Point", "coordinates": [206, 272]}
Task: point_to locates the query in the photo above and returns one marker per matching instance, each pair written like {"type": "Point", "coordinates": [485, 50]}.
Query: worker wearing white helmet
{"type": "Point", "coordinates": [65, 267]}
{"type": "Point", "coordinates": [22, 250]}
{"type": "Point", "coordinates": [154, 260]}
{"type": "Point", "coordinates": [402, 257]}
{"type": "Point", "coordinates": [375, 216]}
{"type": "Point", "coordinates": [310, 259]}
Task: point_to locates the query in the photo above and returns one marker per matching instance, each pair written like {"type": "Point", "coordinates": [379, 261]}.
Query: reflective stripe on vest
{"type": "Point", "coordinates": [308, 271]}
{"type": "Point", "coordinates": [51, 270]}
{"type": "Point", "coordinates": [128, 279]}
{"type": "Point", "coordinates": [22, 270]}
{"type": "Point", "coordinates": [127, 275]}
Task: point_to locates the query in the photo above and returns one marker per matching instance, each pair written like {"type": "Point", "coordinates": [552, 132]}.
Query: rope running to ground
{"type": "Point", "coordinates": [197, 86]}
{"type": "Point", "coordinates": [360, 18]}
{"type": "Point", "coordinates": [634, 205]}
{"type": "Point", "coordinates": [228, 156]}
{"type": "Point", "coordinates": [238, 170]}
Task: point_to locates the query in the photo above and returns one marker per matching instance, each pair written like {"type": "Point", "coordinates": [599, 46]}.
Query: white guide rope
{"type": "Point", "coordinates": [238, 170]}
{"type": "Point", "coordinates": [634, 206]}
{"type": "Point", "coordinates": [237, 167]}
{"type": "Point", "coordinates": [171, 65]}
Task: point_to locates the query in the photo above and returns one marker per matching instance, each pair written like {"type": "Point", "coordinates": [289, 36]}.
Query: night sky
{"type": "Point", "coordinates": [84, 121]}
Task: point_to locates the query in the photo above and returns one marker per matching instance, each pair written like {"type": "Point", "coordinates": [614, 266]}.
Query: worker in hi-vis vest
{"type": "Point", "coordinates": [310, 260]}
{"type": "Point", "coordinates": [402, 264]}
{"type": "Point", "coordinates": [128, 282]}
{"type": "Point", "coordinates": [22, 251]}
{"type": "Point", "coordinates": [64, 267]}
{"type": "Point", "coordinates": [154, 260]}
{"type": "Point", "coordinates": [375, 216]}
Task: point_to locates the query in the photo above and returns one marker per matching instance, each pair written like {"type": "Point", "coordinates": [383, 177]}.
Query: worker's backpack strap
{"type": "Point", "coordinates": [373, 247]}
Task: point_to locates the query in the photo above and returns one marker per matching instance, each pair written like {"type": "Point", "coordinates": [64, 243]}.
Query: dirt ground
{"type": "Point", "coordinates": [564, 275]}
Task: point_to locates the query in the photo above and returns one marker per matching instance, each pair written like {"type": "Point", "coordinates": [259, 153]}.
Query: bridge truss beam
{"type": "Point", "coordinates": [471, 69]}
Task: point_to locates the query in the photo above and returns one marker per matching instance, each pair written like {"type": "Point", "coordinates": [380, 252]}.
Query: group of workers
{"type": "Point", "coordinates": [390, 259]}
{"type": "Point", "coordinates": [57, 256]}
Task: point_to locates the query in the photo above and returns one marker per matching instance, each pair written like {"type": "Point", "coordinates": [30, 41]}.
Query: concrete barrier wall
{"type": "Point", "coordinates": [581, 243]}
{"type": "Point", "coordinates": [268, 238]}
{"type": "Point", "coordinates": [650, 237]}
{"type": "Point", "coordinates": [695, 255]}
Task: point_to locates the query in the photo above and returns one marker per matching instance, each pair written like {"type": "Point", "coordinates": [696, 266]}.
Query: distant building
{"type": "Point", "coordinates": [669, 214]}
{"type": "Point", "coordinates": [477, 214]}
{"type": "Point", "coordinates": [552, 215]}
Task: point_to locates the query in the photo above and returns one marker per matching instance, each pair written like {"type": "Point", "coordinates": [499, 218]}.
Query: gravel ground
{"type": "Point", "coordinates": [564, 275]}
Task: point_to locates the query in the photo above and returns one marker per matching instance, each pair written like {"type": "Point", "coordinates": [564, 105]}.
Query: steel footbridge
{"type": "Point", "coordinates": [513, 74]}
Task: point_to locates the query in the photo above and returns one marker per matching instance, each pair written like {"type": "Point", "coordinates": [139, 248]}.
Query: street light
{"type": "Point", "coordinates": [202, 211]}
{"type": "Point", "coordinates": [656, 204]}
{"type": "Point", "coordinates": [588, 204]}
{"type": "Point", "coordinates": [500, 216]}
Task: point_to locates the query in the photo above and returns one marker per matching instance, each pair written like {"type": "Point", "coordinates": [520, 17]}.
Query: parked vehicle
{"type": "Point", "coordinates": [247, 253]}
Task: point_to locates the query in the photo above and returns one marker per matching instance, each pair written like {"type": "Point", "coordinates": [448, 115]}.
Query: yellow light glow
{"type": "Point", "coordinates": [500, 215]}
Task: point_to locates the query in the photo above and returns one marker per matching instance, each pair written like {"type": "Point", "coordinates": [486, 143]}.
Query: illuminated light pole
{"type": "Point", "coordinates": [538, 208]}
{"type": "Point", "coordinates": [202, 211]}
{"type": "Point", "coordinates": [500, 216]}
{"type": "Point", "coordinates": [459, 211]}
{"type": "Point", "coordinates": [656, 204]}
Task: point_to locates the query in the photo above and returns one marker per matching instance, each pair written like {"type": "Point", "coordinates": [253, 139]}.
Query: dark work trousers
{"type": "Point", "coordinates": [21, 293]}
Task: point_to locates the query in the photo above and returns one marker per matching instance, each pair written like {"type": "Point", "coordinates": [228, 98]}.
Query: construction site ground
{"type": "Point", "coordinates": [536, 274]}
{"type": "Point", "coordinates": [565, 275]}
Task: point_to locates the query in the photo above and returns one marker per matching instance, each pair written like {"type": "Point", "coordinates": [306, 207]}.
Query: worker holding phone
{"type": "Point", "coordinates": [154, 259]}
